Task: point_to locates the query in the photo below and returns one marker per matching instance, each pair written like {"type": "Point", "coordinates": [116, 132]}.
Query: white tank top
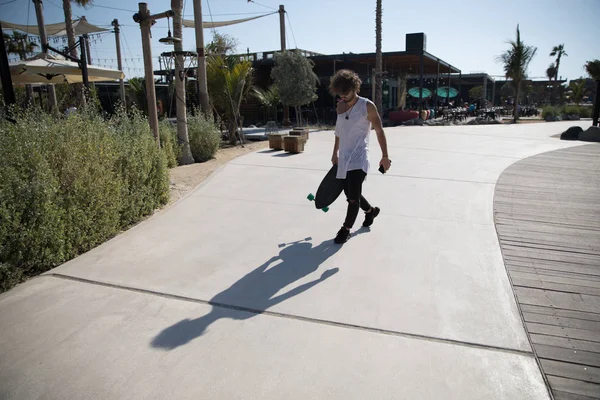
{"type": "Point", "coordinates": [353, 135]}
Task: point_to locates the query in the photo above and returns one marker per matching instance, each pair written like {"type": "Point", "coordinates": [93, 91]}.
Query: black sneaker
{"type": "Point", "coordinates": [342, 236]}
{"type": "Point", "coordinates": [370, 217]}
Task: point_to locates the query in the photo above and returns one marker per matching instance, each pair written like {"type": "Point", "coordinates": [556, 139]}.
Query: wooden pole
{"type": "Point", "coordinates": [421, 66]}
{"type": "Point", "coordinates": [44, 39]}
{"type": "Point", "coordinates": [145, 24]}
{"type": "Point", "coordinates": [286, 109]}
{"type": "Point", "coordinates": [201, 75]}
{"type": "Point", "coordinates": [437, 86]}
{"type": "Point", "coordinates": [83, 62]}
{"type": "Point", "coordinates": [180, 101]}
{"type": "Point", "coordinates": [7, 87]}
{"type": "Point", "coordinates": [115, 24]}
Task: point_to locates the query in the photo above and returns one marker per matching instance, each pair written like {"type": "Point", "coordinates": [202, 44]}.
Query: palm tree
{"type": "Point", "coordinates": [18, 43]}
{"type": "Point", "coordinates": [182, 130]}
{"type": "Point", "coordinates": [269, 99]}
{"type": "Point", "coordinates": [136, 91]}
{"type": "Point", "coordinates": [593, 70]}
{"type": "Point", "coordinates": [378, 58]}
{"type": "Point", "coordinates": [516, 61]}
{"type": "Point", "coordinates": [558, 52]}
{"type": "Point", "coordinates": [229, 83]}
{"type": "Point", "coordinates": [551, 72]}
{"type": "Point", "coordinates": [577, 90]}
{"type": "Point", "coordinates": [68, 11]}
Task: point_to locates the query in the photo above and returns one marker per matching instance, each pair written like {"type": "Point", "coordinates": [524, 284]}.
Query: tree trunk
{"type": "Point", "coordinates": [71, 41]}
{"type": "Point", "coordinates": [232, 133]}
{"type": "Point", "coordinates": [298, 115]}
{"type": "Point", "coordinates": [182, 129]}
{"type": "Point", "coordinates": [596, 113]}
{"type": "Point", "coordinates": [378, 59]}
{"type": "Point", "coordinates": [402, 90]}
{"type": "Point", "coordinates": [516, 105]}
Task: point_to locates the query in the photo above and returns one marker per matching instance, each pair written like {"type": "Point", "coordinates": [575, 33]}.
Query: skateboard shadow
{"type": "Point", "coordinates": [284, 155]}
{"type": "Point", "coordinates": [257, 291]}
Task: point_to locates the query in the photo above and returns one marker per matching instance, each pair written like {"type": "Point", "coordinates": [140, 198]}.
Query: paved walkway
{"type": "Point", "coordinates": [237, 292]}
{"type": "Point", "coordinates": [548, 222]}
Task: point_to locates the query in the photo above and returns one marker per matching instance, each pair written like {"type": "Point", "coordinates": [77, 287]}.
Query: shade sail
{"type": "Point", "coordinates": [49, 69]}
{"type": "Point", "coordinates": [443, 92]}
{"type": "Point", "coordinates": [188, 23]}
{"type": "Point", "coordinates": [80, 26]}
{"type": "Point", "coordinates": [414, 92]}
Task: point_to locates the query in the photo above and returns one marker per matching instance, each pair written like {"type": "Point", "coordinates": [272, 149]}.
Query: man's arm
{"type": "Point", "coordinates": [336, 147]}
{"type": "Point", "coordinates": [375, 120]}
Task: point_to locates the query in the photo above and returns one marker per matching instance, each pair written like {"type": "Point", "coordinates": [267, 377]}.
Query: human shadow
{"type": "Point", "coordinates": [258, 290]}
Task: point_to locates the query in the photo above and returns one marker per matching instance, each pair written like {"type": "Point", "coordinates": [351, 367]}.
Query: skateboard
{"type": "Point", "coordinates": [329, 190]}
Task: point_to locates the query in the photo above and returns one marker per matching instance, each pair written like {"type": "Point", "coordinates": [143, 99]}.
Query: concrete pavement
{"type": "Point", "coordinates": [237, 291]}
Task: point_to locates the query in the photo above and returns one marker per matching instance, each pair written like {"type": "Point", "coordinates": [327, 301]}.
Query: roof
{"type": "Point", "coordinates": [404, 60]}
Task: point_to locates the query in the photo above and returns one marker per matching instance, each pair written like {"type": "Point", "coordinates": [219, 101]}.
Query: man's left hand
{"type": "Point", "coordinates": [386, 163]}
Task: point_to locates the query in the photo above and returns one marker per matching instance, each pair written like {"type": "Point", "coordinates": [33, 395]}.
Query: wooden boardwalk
{"type": "Point", "coordinates": [547, 215]}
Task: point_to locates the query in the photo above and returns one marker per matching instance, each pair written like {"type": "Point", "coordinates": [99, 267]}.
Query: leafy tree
{"type": "Point", "coordinates": [593, 70]}
{"type": "Point", "coordinates": [476, 93]}
{"type": "Point", "coordinates": [297, 82]}
{"type": "Point", "coordinates": [19, 43]}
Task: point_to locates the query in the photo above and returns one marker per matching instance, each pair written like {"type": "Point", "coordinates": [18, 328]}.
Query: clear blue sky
{"type": "Point", "coordinates": [467, 34]}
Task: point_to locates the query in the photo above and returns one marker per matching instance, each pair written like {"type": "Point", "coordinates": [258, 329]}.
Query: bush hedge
{"type": "Point", "coordinates": [204, 136]}
{"type": "Point", "coordinates": [69, 184]}
{"type": "Point", "coordinates": [554, 111]}
{"type": "Point", "coordinates": [169, 142]}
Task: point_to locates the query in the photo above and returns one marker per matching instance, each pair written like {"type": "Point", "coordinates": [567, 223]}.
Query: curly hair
{"type": "Point", "coordinates": [344, 81]}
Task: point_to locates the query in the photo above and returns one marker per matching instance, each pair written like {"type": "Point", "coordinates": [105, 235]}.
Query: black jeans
{"type": "Point", "coordinates": [353, 190]}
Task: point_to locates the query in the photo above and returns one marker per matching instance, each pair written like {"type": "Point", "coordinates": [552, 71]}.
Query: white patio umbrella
{"type": "Point", "coordinates": [47, 69]}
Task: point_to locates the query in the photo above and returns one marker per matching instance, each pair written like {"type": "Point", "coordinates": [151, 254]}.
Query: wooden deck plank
{"type": "Point", "coordinates": [567, 343]}
{"type": "Point", "coordinates": [573, 333]}
{"type": "Point", "coordinates": [547, 216]}
{"type": "Point", "coordinates": [568, 355]}
{"type": "Point", "coordinates": [563, 322]}
{"type": "Point", "coordinates": [587, 316]}
{"type": "Point", "coordinates": [559, 287]}
{"type": "Point", "coordinates": [568, 301]}
{"type": "Point", "coordinates": [571, 371]}
{"type": "Point", "coordinates": [555, 278]}
{"type": "Point", "coordinates": [558, 395]}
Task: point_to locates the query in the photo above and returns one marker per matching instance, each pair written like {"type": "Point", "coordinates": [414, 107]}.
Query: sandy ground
{"type": "Point", "coordinates": [187, 177]}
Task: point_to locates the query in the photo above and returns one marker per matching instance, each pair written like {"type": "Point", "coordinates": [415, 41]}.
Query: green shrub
{"type": "Point", "coordinates": [204, 136]}
{"type": "Point", "coordinates": [570, 110]}
{"type": "Point", "coordinates": [69, 184]}
{"type": "Point", "coordinates": [585, 112]}
{"type": "Point", "coordinates": [169, 142]}
{"type": "Point", "coordinates": [550, 111]}
{"type": "Point", "coordinates": [142, 166]}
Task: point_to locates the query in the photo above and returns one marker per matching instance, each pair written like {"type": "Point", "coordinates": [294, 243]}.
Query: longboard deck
{"type": "Point", "coordinates": [329, 189]}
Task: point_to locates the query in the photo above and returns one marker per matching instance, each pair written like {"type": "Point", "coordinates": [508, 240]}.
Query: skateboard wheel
{"type": "Point", "coordinates": [325, 209]}
{"type": "Point", "coordinates": [310, 197]}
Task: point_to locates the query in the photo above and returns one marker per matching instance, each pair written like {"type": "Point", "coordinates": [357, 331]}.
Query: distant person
{"type": "Point", "coordinates": [71, 110]}
{"type": "Point", "coordinates": [356, 116]}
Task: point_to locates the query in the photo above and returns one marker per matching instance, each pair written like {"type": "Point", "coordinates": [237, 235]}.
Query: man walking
{"type": "Point", "coordinates": [355, 117]}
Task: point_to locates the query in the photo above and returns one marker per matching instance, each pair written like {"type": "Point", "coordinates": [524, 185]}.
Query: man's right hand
{"type": "Point", "coordinates": [334, 159]}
